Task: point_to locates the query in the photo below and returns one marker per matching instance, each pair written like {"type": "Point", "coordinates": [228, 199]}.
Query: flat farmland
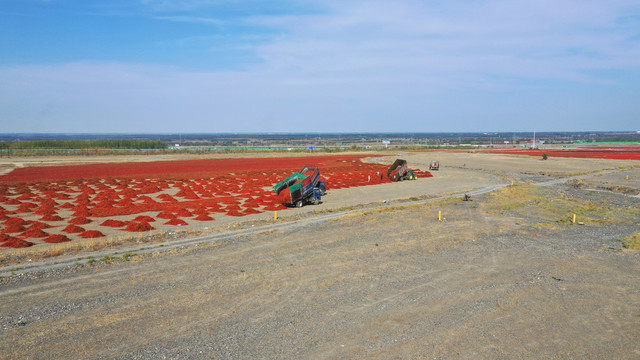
{"type": "Point", "coordinates": [61, 203]}
{"type": "Point", "coordinates": [372, 273]}
{"type": "Point", "coordinates": [613, 153]}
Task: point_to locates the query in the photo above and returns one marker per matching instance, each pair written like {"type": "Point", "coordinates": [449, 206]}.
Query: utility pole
{"type": "Point", "coordinates": [533, 146]}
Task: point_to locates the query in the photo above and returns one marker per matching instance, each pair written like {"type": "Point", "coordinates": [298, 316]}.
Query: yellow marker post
{"type": "Point", "coordinates": [574, 218]}
{"type": "Point", "coordinates": [511, 182]}
{"type": "Point", "coordinates": [627, 177]}
{"type": "Point", "coordinates": [275, 215]}
{"type": "Point", "coordinates": [439, 215]}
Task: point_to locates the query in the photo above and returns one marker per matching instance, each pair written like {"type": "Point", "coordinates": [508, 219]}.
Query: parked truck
{"type": "Point", "coordinates": [301, 188]}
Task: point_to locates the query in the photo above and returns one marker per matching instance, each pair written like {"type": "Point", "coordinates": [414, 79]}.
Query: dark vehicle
{"type": "Point", "coordinates": [398, 171]}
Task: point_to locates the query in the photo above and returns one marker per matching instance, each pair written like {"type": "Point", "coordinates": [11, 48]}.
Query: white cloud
{"type": "Point", "coordinates": [542, 39]}
{"type": "Point", "coordinates": [360, 66]}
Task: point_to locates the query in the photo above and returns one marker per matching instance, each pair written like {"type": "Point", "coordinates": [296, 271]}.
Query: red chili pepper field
{"type": "Point", "coordinates": [55, 204]}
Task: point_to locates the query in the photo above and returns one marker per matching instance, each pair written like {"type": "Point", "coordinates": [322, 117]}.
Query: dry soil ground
{"type": "Point", "coordinates": [505, 276]}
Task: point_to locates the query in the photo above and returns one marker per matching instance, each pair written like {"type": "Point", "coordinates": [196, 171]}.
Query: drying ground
{"type": "Point", "coordinates": [507, 275]}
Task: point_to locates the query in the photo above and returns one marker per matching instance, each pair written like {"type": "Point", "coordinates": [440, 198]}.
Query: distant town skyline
{"type": "Point", "coordinates": [204, 66]}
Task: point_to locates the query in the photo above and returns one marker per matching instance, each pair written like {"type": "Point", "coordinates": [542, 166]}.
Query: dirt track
{"type": "Point", "coordinates": [488, 282]}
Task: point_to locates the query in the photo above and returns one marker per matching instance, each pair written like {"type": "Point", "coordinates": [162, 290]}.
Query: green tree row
{"type": "Point", "coordinates": [83, 144]}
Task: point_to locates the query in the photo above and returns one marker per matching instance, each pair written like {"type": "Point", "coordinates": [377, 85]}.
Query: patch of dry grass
{"type": "Point", "coordinates": [555, 210]}
{"type": "Point", "coordinates": [631, 242]}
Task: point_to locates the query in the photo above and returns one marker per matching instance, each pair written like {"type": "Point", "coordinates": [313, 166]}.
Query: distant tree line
{"type": "Point", "coordinates": [84, 144]}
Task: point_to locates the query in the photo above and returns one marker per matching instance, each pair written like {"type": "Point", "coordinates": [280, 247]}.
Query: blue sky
{"type": "Point", "coordinates": [164, 66]}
